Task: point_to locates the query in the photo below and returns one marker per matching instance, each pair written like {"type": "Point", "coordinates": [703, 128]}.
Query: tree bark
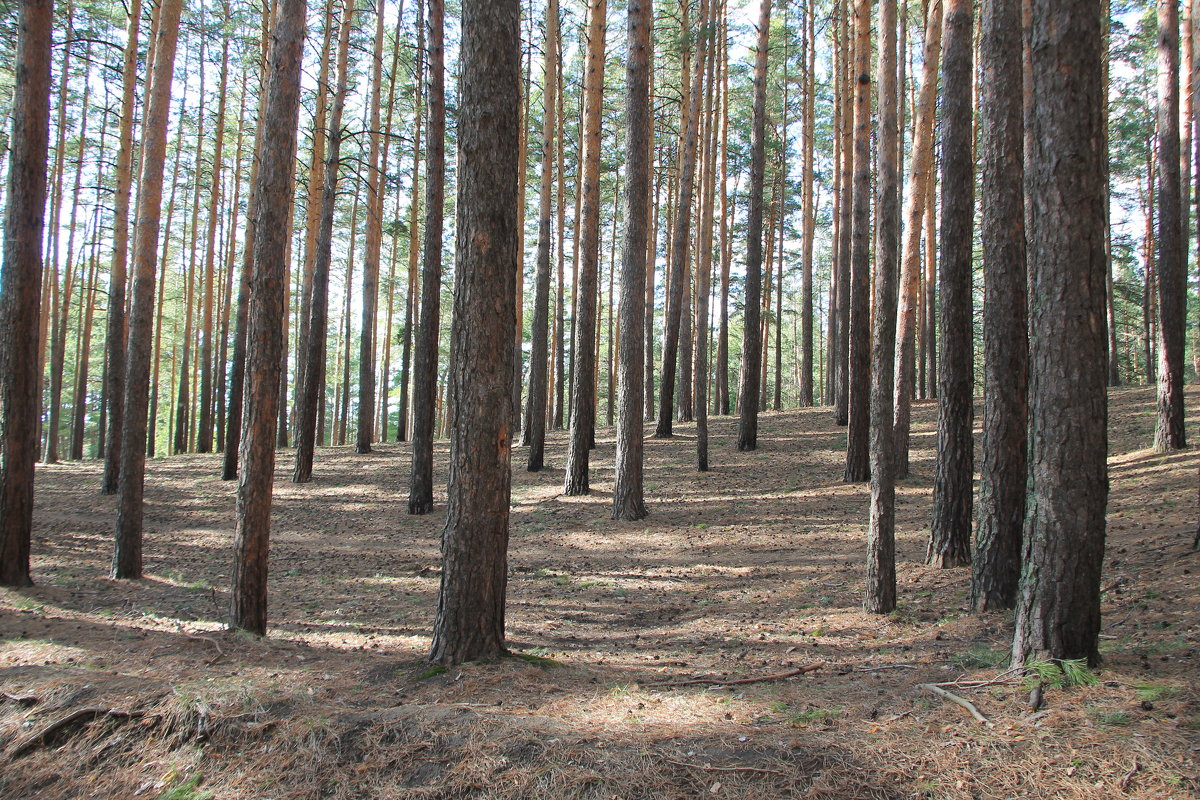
{"type": "Point", "coordinates": [808, 208]}
{"type": "Point", "coordinates": [997, 562]}
{"type": "Point", "coordinates": [470, 615]}
{"type": "Point", "coordinates": [425, 368]}
{"type": "Point", "coordinates": [953, 489]}
{"type": "Point", "coordinates": [248, 596]}
{"type": "Point", "coordinates": [21, 286]}
{"type": "Point", "coordinates": [751, 330]}
{"type": "Point", "coordinates": [127, 555]}
{"type": "Point", "coordinates": [1058, 611]}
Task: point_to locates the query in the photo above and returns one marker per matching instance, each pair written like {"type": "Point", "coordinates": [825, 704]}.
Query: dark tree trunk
{"type": "Point", "coordinates": [858, 464]}
{"type": "Point", "coordinates": [808, 210]}
{"type": "Point", "coordinates": [1058, 610]}
{"type": "Point", "coordinates": [127, 555]}
{"type": "Point", "coordinates": [470, 615]}
{"type": "Point", "coordinates": [425, 362]}
{"type": "Point", "coordinates": [313, 376]}
{"type": "Point", "coordinates": [21, 288]}
{"type": "Point", "coordinates": [539, 387]}
{"type": "Point", "coordinates": [1169, 432]}
{"type": "Point", "coordinates": [708, 168]}
{"type": "Point", "coordinates": [248, 596]}
{"type": "Point", "coordinates": [628, 502]}
{"type": "Point", "coordinates": [997, 562]}
{"type": "Point", "coordinates": [583, 397]}
{"type": "Point", "coordinates": [953, 489]}
{"type": "Point", "coordinates": [751, 327]}
{"type": "Point", "coordinates": [412, 297]}
{"type": "Point", "coordinates": [841, 330]}
{"type": "Point", "coordinates": [114, 370]}
{"type": "Point", "coordinates": [881, 532]}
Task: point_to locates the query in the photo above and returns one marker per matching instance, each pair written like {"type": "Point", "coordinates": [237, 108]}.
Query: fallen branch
{"type": "Point", "coordinates": [38, 737]}
{"type": "Point", "coordinates": [209, 640]}
{"type": "Point", "coordinates": [1004, 677]}
{"type": "Point", "coordinates": [961, 701]}
{"type": "Point", "coordinates": [717, 682]}
{"type": "Point", "coordinates": [711, 768]}
{"type": "Point", "coordinates": [883, 667]}
{"type": "Point", "coordinates": [1124, 784]}
{"type": "Point", "coordinates": [24, 700]}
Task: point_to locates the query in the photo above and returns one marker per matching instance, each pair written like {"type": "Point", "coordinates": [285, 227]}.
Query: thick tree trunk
{"type": "Point", "coordinates": [470, 616]}
{"type": "Point", "coordinates": [248, 596]}
{"type": "Point", "coordinates": [583, 398]}
{"type": "Point", "coordinates": [953, 489]}
{"type": "Point", "coordinates": [858, 464]}
{"type": "Point", "coordinates": [751, 332]}
{"type": "Point", "coordinates": [1058, 611]}
{"type": "Point", "coordinates": [425, 368]}
{"type": "Point", "coordinates": [997, 562]}
{"type": "Point", "coordinates": [910, 280]}
{"type": "Point", "coordinates": [1169, 431]}
{"type": "Point", "coordinates": [127, 556]}
{"type": "Point", "coordinates": [881, 531]}
{"type": "Point", "coordinates": [21, 286]}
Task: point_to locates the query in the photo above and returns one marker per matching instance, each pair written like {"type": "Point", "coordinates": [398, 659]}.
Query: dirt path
{"type": "Point", "coordinates": [751, 570]}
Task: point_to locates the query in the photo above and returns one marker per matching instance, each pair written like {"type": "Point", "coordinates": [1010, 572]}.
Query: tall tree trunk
{"type": "Point", "coordinates": [997, 563]}
{"type": "Point", "coordinates": [910, 280]}
{"type": "Point", "coordinates": [881, 531]}
{"type": "Point", "coordinates": [583, 398]}
{"type": "Point", "coordinates": [929, 332]}
{"type": "Point", "coordinates": [808, 207]}
{"type": "Point", "coordinates": [21, 284]}
{"type": "Point", "coordinates": [723, 407]}
{"type": "Point", "coordinates": [420, 491]}
{"type": "Point", "coordinates": [114, 371]}
{"type": "Point", "coordinates": [953, 488]}
{"type": "Point", "coordinates": [704, 261]}
{"type": "Point", "coordinates": [127, 556]}
{"type": "Point", "coordinates": [858, 465]}
{"type": "Point", "coordinates": [677, 283]}
{"type": "Point", "coordinates": [87, 299]}
{"type": "Point", "coordinates": [248, 596]}
{"type": "Point", "coordinates": [313, 376]}
{"type": "Point", "coordinates": [230, 271]}
{"type": "Point", "coordinates": [751, 332]}
{"type": "Point", "coordinates": [1169, 431]}
{"type": "Point", "coordinates": [414, 238]}
{"type": "Point", "coordinates": [535, 425]}
{"type": "Point", "coordinates": [560, 381]}
{"type": "Point", "coordinates": [470, 616]}
{"type": "Point", "coordinates": [1058, 611]}
{"type": "Point", "coordinates": [386, 371]}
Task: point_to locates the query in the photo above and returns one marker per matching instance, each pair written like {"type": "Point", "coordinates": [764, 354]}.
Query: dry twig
{"type": "Point", "coordinates": [710, 767]}
{"type": "Point", "coordinates": [716, 682]}
{"type": "Point", "coordinates": [209, 640]}
{"type": "Point", "coordinates": [961, 701]}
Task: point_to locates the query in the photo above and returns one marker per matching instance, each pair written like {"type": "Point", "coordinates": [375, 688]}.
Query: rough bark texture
{"type": "Point", "coordinates": [751, 327]}
{"type": "Point", "coordinates": [997, 561]}
{"type": "Point", "coordinates": [704, 256]}
{"type": "Point", "coordinates": [840, 331]}
{"type": "Point", "coordinates": [114, 374]}
{"type": "Point", "coordinates": [1058, 611]}
{"type": "Point", "coordinates": [539, 386]}
{"type": "Point", "coordinates": [858, 466]}
{"type": "Point", "coordinates": [808, 209]}
{"type": "Point", "coordinates": [21, 287]}
{"type": "Point", "coordinates": [628, 502]}
{"type": "Point", "coordinates": [127, 555]}
{"type": "Point", "coordinates": [1169, 432]}
{"type": "Point", "coordinates": [910, 280]}
{"type": "Point", "coordinates": [583, 397]}
{"type": "Point", "coordinates": [470, 615]}
{"type": "Point", "coordinates": [953, 488]}
{"type": "Point", "coordinates": [881, 531]}
{"type": "Point", "coordinates": [248, 595]}
{"type": "Point", "coordinates": [425, 361]}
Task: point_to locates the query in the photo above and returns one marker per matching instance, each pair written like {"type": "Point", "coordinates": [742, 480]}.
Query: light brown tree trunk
{"type": "Point", "coordinates": [412, 296]}
{"type": "Point", "coordinates": [386, 372]}
{"type": "Point", "coordinates": [808, 207]}
{"type": "Point", "coordinates": [704, 261]}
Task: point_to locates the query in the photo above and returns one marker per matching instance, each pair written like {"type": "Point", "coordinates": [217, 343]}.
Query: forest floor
{"type": "Point", "coordinates": [134, 689]}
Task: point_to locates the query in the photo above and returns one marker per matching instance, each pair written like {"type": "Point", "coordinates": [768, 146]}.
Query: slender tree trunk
{"type": "Point", "coordinates": [560, 382]}
{"type": "Point", "coordinates": [160, 301]}
{"type": "Point", "coordinates": [583, 399]}
{"type": "Point", "coordinates": [751, 332]}
{"type": "Point", "coordinates": [845, 232]}
{"type": "Point", "coordinates": [723, 405]}
{"type": "Point", "coordinates": [21, 282]}
{"type": "Point", "coordinates": [414, 205]}
{"type": "Point", "coordinates": [386, 372]}
{"type": "Point", "coordinates": [910, 280]}
{"type": "Point", "coordinates": [881, 531]}
{"type": "Point", "coordinates": [1058, 611]}
{"type": "Point", "coordinates": [420, 493]}
{"type": "Point", "coordinates": [858, 465]}
{"type": "Point", "coordinates": [953, 489]}
{"type": "Point", "coordinates": [704, 260]}
{"type": "Point", "coordinates": [929, 333]}
{"type": "Point", "coordinates": [1169, 431]}
{"type": "Point", "coordinates": [808, 207]}
{"type": "Point", "coordinates": [87, 299]}
{"type": "Point", "coordinates": [470, 616]}
{"type": "Point", "coordinates": [230, 270]}
{"type": "Point", "coordinates": [535, 426]}
{"type": "Point", "coordinates": [997, 562]}
{"type": "Point", "coordinates": [248, 597]}
{"type": "Point", "coordinates": [127, 556]}
{"type": "Point", "coordinates": [313, 376]}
